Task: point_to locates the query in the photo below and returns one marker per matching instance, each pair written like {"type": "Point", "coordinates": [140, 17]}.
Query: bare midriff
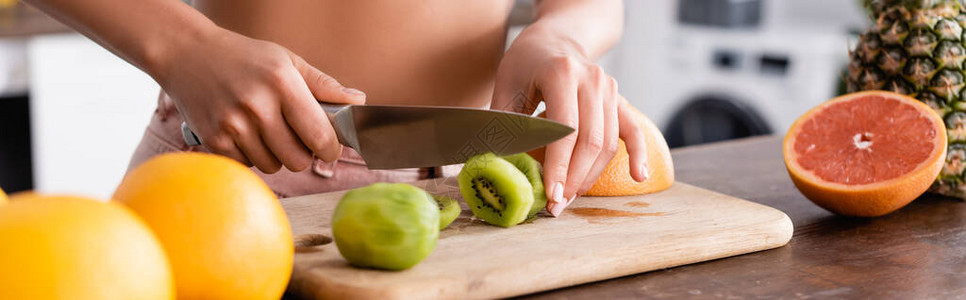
{"type": "Point", "coordinates": [436, 52]}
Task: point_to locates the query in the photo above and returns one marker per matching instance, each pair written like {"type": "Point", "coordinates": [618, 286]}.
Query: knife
{"type": "Point", "coordinates": [393, 137]}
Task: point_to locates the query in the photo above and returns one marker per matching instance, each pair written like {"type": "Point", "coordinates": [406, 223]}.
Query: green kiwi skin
{"type": "Point", "coordinates": [449, 209]}
{"type": "Point", "coordinates": [532, 169]}
{"type": "Point", "coordinates": [508, 182]}
{"type": "Point", "coordinates": [386, 226]}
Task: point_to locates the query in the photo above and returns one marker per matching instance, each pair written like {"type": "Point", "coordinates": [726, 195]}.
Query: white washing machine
{"type": "Point", "coordinates": [709, 70]}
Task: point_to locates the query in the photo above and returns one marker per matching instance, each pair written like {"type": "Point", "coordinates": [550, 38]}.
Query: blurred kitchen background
{"type": "Point", "coordinates": [71, 113]}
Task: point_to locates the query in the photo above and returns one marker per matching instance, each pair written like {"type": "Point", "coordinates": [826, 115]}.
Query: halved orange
{"type": "Point", "coordinates": [616, 179]}
{"type": "Point", "coordinates": [865, 154]}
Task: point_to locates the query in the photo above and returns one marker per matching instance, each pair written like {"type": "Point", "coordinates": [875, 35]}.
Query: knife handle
{"type": "Point", "coordinates": [330, 111]}
{"type": "Point", "coordinates": [189, 136]}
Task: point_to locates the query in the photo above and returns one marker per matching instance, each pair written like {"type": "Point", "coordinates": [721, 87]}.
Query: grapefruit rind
{"type": "Point", "coordinates": [616, 180]}
{"type": "Point", "coordinates": [866, 200]}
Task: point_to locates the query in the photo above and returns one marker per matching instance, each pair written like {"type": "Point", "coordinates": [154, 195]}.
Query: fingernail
{"type": "Point", "coordinates": [324, 169]}
{"type": "Point", "coordinates": [644, 171]}
{"type": "Point", "coordinates": [557, 193]}
{"type": "Point", "coordinates": [556, 208]}
{"type": "Point", "coordinates": [552, 208]}
{"type": "Point", "coordinates": [353, 91]}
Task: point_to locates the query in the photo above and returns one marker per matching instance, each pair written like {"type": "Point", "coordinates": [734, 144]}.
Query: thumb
{"type": "Point", "coordinates": [324, 87]}
{"type": "Point", "coordinates": [513, 97]}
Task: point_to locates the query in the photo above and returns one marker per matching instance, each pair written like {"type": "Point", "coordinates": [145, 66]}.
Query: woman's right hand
{"type": "Point", "coordinates": [254, 101]}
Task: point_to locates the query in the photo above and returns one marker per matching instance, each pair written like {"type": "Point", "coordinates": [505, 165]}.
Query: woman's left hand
{"type": "Point", "coordinates": [543, 66]}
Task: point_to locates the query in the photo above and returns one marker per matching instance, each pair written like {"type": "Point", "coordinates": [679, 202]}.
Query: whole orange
{"type": "Point", "coordinates": [59, 247]}
{"type": "Point", "coordinates": [224, 230]}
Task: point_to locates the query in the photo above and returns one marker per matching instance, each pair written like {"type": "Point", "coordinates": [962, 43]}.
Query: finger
{"type": "Point", "coordinates": [611, 131]}
{"type": "Point", "coordinates": [325, 88]}
{"type": "Point", "coordinates": [516, 98]}
{"type": "Point", "coordinates": [307, 120]}
{"type": "Point", "coordinates": [634, 139]}
{"type": "Point", "coordinates": [562, 96]}
{"type": "Point", "coordinates": [225, 146]}
{"type": "Point", "coordinates": [590, 140]}
{"type": "Point", "coordinates": [503, 94]}
{"type": "Point", "coordinates": [250, 143]}
{"type": "Point", "coordinates": [274, 124]}
{"type": "Point", "coordinates": [286, 146]}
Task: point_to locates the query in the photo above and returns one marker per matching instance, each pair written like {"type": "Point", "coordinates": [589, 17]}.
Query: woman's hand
{"type": "Point", "coordinates": [254, 101]}
{"type": "Point", "coordinates": [544, 66]}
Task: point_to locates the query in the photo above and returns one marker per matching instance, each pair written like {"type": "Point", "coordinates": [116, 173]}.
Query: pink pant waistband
{"type": "Point", "coordinates": [163, 135]}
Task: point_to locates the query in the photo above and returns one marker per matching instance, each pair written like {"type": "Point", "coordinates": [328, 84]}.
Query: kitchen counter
{"type": "Point", "coordinates": [918, 252]}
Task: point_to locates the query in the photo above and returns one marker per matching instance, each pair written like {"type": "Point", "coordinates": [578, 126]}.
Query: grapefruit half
{"type": "Point", "coordinates": [616, 178]}
{"type": "Point", "coordinates": [865, 154]}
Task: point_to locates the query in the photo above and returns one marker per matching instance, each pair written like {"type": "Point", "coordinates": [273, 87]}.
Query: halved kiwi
{"type": "Point", "coordinates": [495, 190]}
{"type": "Point", "coordinates": [449, 209]}
{"type": "Point", "coordinates": [386, 226]}
{"type": "Point", "coordinates": [532, 169]}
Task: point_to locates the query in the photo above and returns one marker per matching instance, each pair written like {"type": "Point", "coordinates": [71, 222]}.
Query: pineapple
{"type": "Point", "coordinates": [916, 47]}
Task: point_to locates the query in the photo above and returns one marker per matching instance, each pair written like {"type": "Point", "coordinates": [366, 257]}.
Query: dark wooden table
{"type": "Point", "coordinates": [918, 252]}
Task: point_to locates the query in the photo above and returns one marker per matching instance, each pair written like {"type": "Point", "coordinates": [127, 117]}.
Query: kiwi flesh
{"type": "Point", "coordinates": [449, 209]}
{"type": "Point", "coordinates": [386, 226]}
{"type": "Point", "coordinates": [495, 190]}
{"type": "Point", "coordinates": [532, 169]}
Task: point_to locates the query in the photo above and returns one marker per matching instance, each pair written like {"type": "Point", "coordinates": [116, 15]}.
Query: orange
{"type": "Point", "coordinates": [60, 247]}
{"type": "Point", "coordinates": [616, 179]}
{"type": "Point", "coordinates": [3, 197]}
{"type": "Point", "coordinates": [224, 230]}
{"type": "Point", "coordinates": [865, 154]}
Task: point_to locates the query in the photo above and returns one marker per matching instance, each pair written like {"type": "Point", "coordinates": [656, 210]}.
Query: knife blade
{"type": "Point", "coordinates": [393, 137]}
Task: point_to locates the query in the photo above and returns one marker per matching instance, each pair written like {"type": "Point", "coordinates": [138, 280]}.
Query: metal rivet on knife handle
{"type": "Point", "coordinates": [189, 136]}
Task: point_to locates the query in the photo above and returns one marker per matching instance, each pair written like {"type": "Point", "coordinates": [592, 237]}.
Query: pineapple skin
{"type": "Point", "coordinates": [916, 48]}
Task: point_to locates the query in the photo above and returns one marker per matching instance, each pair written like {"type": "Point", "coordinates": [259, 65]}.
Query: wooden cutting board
{"type": "Point", "coordinates": [594, 239]}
